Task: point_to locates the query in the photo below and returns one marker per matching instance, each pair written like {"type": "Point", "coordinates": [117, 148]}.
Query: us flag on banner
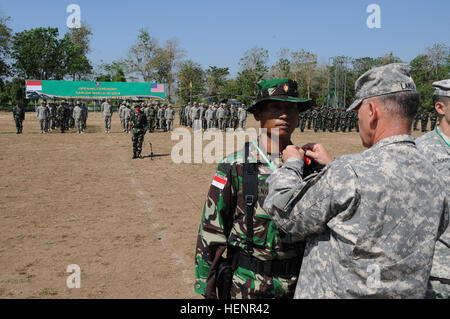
{"type": "Point", "coordinates": [157, 88]}
{"type": "Point", "coordinates": [34, 85]}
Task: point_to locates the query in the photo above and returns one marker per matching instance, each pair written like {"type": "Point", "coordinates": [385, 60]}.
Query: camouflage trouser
{"type": "Point", "coordinates": [247, 284]}
{"type": "Point", "coordinates": [137, 138]}
{"type": "Point", "coordinates": [242, 124]}
{"type": "Point", "coordinates": [169, 125]}
{"type": "Point", "coordinates": [415, 124]}
{"type": "Point", "coordinates": [79, 122]}
{"type": "Point", "coordinates": [432, 125]}
{"type": "Point", "coordinates": [19, 125]}
{"type": "Point", "coordinates": [152, 124]}
{"type": "Point", "coordinates": [424, 125]}
{"type": "Point", "coordinates": [107, 123]}
{"type": "Point", "coordinates": [43, 125]}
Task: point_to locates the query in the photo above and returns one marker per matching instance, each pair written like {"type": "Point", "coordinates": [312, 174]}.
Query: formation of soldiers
{"type": "Point", "coordinates": [214, 116]}
{"type": "Point", "coordinates": [157, 116]}
{"type": "Point", "coordinates": [63, 116]}
{"type": "Point", "coordinates": [423, 117]}
{"type": "Point", "coordinates": [328, 119]}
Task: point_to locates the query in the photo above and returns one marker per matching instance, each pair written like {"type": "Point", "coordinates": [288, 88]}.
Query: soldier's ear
{"type": "Point", "coordinates": [440, 108]}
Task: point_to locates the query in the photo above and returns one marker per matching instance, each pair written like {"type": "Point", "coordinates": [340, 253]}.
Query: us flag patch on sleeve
{"type": "Point", "coordinates": [219, 181]}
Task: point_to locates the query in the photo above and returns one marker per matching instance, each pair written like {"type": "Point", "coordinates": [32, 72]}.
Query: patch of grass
{"type": "Point", "coordinates": [48, 292]}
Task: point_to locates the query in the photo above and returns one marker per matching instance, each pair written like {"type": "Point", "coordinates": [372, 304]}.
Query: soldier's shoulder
{"type": "Point", "coordinates": [426, 140]}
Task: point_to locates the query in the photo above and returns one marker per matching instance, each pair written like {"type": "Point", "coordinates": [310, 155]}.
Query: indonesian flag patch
{"type": "Point", "coordinates": [219, 181]}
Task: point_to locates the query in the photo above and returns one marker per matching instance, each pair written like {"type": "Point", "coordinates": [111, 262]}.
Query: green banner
{"type": "Point", "coordinates": [36, 89]}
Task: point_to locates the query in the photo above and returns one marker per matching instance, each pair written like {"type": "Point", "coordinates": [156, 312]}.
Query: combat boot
{"type": "Point", "coordinates": [134, 155]}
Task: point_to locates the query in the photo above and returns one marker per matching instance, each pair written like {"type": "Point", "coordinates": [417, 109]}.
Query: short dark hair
{"type": "Point", "coordinates": [443, 99]}
{"type": "Point", "coordinates": [404, 104]}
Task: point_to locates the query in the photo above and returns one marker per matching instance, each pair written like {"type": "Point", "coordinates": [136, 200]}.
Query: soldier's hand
{"type": "Point", "coordinates": [318, 153]}
{"type": "Point", "coordinates": [292, 151]}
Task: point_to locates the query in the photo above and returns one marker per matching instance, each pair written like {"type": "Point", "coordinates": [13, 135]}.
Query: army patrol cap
{"type": "Point", "coordinates": [386, 79]}
{"type": "Point", "coordinates": [442, 88]}
{"type": "Point", "coordinates": [279, 90]}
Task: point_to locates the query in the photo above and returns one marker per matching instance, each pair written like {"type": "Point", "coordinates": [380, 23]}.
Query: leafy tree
{"type": "Point", "coordinates": [253, 69]}
{"type": "Point", "coordinates": [303, 66]}
{"type": "Point", "coordinates": [38, 54]}
{"type": "Point", "coordinates": [5, 45]}
{"type": "Point", "coordinates": [216, 79]}
{"type": "Point", "coordinates": [141, 55]}
{"type": "Point", "coordinates": [282, 68]}
{"type": "Point", "coordinates": [113, 72]}
{"type": "Point", "coordinates": [190, 73]}
{"type": "Point", "coordinates": [76, 48]}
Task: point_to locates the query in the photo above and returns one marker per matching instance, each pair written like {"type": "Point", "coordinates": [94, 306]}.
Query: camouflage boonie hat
{"type": "Point", "coordinates": [442, 88]}
{"type": "Point", "coordinates": [279, 90]}
{"type": "Point", "coordinates": [386, 79]}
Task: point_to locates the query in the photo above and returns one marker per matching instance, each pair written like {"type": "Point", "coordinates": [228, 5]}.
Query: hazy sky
{"type": "Point", "coordinates": [219, 32]}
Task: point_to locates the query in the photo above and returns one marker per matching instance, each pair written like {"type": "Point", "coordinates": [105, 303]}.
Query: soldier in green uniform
{"type": "Point", "coordinates": [433, 119]}
{"type": "Point", "coordinates": [302, 121]}
{"type": "Point", "coordinates": [416, 120]}
{"type": "Point", "coordinates": [424, 121]}
{"type": "Point", "coordinates": [150, 113]}
{"type": "Point", "coordinates": [316, 119]}
{"type": "Point", "coordinates": [19, 117]}
{"type": "Point", "coordinates": [309, 118]}
{"type": "Point", "coordinates": [343, 120]}
{"type": "Point", "coordinates": [265, 262]}
{"type": "Point", "coordinates": [138, 124]}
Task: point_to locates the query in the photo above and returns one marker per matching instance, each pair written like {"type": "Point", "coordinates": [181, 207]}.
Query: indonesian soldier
{"type": "Point", "coordinates": [264, 261]}
{"type": "Point", "coordinates": [371, 220]}
{"type": "Point", "coordinates": [85, 114]}
{"type": "Point", "coordinates": [19, 117]}
{"type": "Point", "coordinates": [107, 112]}
{"type": "Point", "coordinates": [433, 119]}
{"type": "Point", "coordinates": [435, 145]}
{"type": "Point", "coordinates": [42, 114]}
{"type": "Point", "coordinates": [424, 120]}
{"type": "Point", "coordinates": [138, 123]}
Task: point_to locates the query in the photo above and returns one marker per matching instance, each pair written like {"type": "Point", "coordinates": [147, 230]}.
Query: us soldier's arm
{"type": "Point", "coordinates": [215, 225]}
{"type": "Point", "coordinates": [304, 207]}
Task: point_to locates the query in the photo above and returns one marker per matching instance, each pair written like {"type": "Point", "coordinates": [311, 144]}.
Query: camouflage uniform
{"type": "Point", "coordinates": [371, 220]}
{"type": "Point", "coordinates": [138, 123]}
{"type": "Point", "coordinates": [19, 117]}
{"type": "Point", "coordinates": [224, 223]}
{"type": "Point", "coordinates": [424, 122]}
{"type": "Point", "coordinates": [356, 221]}
{"type": "Point", "coordinates": [438, 153]}
{"type": "Point", "coordinates": [416, 121]}
{"type": "Point", "coordinates": [435, 145]}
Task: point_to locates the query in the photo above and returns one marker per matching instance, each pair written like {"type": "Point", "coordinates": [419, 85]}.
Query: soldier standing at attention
{"type": "Point", "coordinates": [416, 120]}
{"type": "Point", "coordinates": [380, 211]}
{"type": "Point", "coordinates": [19, 117]}
{"type": "Point", "coordinates": [127, 115]}
{"type": "Point", "coordinates": [138, 123]}
{"type": "Point", "coordinates": [435, 145]}
{"type": "Point", "coordinates": [107, 112]}
{"type": "Point", "coordinates": [242, 117]}
{"type": "Point", "coordinates": [78, 117]}
{"type": "Point", "coordinates": [122, 120]}
{"type": "Point", "coordinates": [424, 120]}
{"type": "Point", "coordinates": [169, 116]}
{"type": "Point", "coordinates": [265, 261]}
{"type": "Point", "coordinates": [42, 115]}
{"type": "Point", "coordinates": [433, 119]}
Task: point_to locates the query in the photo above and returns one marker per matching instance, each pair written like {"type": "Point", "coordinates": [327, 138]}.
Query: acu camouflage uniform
{"type": "Point", "coordinates": [438, 153]}
{"type": "Point", "coordinates": [380, 210]}
{"type": "Point", "coordinates": [224, 224]}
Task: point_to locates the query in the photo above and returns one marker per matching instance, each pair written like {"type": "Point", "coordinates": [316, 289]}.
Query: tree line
{"type": "Point", "coordinates": [41, 53]}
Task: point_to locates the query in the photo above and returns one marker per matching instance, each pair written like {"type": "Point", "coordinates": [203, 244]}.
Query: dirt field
{"type": "Point", "coordinates": [130, 225]}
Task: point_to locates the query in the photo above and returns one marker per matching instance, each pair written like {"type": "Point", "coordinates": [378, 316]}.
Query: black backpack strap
{"type": "Point", "coordinates": [250, 193]}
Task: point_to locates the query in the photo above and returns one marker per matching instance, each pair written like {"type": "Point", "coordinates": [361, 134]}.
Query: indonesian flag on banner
{"type": "Point", "coordinates": [157, 88]}
{"type": "Point", "coordinates": [34, 85]}
{"type": "Point", "coordinates": [219, 181]}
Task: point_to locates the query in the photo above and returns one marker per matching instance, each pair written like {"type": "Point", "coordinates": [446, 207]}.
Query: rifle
{"type": "Point", "coordinates": [151, 151]}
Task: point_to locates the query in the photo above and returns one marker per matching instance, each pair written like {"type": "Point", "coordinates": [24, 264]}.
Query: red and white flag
{"type": "Point", "coordinates": [219, 181]}
{"type": "Point", "coordinates": [34, 85]}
